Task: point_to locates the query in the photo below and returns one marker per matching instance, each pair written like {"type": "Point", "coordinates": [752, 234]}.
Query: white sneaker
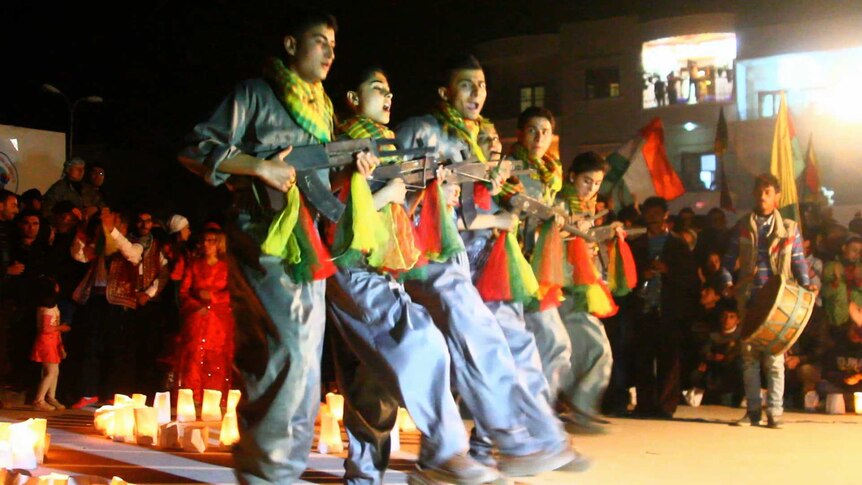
{"type": "Point", "coordinates": [812, 401]}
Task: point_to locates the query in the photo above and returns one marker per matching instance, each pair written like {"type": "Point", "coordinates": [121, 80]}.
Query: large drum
{"type": "Point", "coordinates": [777, 316]}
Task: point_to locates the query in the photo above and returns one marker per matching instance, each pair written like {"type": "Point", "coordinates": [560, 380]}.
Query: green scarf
{"type": "Point", "coordinates": [364, 127]}
{"type": "Point", "coordinates": [549, 170]}
{"type": "Point", "coordinates": [466, 130]}
{"type": "Point", "coordinates": [308, 104]}
{"type": "Point", "coordinates": [575, 204]}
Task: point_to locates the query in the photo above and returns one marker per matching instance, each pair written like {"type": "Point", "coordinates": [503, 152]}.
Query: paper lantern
{"type": "Point", "coordinates": [169, 435]}
{"type": "Point", "coordinates": [229, 432]}
{"type": "Point", "coordinates": [122, 400]}
{"type": "Point", "coordinates": [146, 426]}
{"type": "Point", "coordinates": [139, 400]}
{"type": "Point", "coordinates": [211, 406]}
{"type": "Point", "coordinates": [39, 427]}
{"type": "Point", "coordinates": [186, 406]}
{"type": "Point", "coordinates": [103, 420]}
{"type": "Point", "coordinates": [53, 478]}
{"type": "Point", "coordinates": [857, 402]}
{"type": "Point", "coordinates": [124, 424]}
{"type": "Point", "coordinates": [22, 443]}
{"type": "Point", "coordinates": [162, 404]}
{"type": "Point", "coordinates": [195, 438]}
{"type": "Point", "coordinates": [330, 434]}
{"type": "Point", "coordinates": [405, 421]}
{"type": "Point", "coordinates": [336, 405]}
{"type": "Point", "coordinates": [5, 456]}
{"type": "Point", "coordinates": [233, 397]}
{"type": "Point", "coordinates": [119, 481]}
{"type": "Point", "coordinates": [394, 438]}
{"type": "Point", "coordinates": [835, 403]}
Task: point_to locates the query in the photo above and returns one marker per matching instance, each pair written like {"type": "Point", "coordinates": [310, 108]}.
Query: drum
{"type": "Point", "coordinates": [777, 316]}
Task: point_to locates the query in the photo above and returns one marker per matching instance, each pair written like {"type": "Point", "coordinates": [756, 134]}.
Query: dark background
{"type": "Point", "coordinates": [163, 66]}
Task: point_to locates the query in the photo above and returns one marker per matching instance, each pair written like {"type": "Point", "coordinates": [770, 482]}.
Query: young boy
{"type": "Point", "coordinates": [490, 356]}
{"type": "Point", "coordinates": [765, 244]}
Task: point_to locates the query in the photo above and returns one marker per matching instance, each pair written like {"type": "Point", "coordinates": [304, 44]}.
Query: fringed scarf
{"type": "Point", "coordinates": [622, 272]}
{"type": "Point", "coordinates": [293, 237]}
{"type": "Point", "coordinates": [436, 229]}
{"type": "Point", "coordinates": [385, 238]}
{"type": "Point", "coordinates": [507, 276]}
{"type": "Point", "coordinates": [591, 293]}
{"type": "Point", "coordinates": [361, 233]}
{"type": "Point", "coordinates": [549, 265]}
{"type": "Point", "coordinates": [549, 169]}
{"type": "Point", "coordinates": [307, 104]}
{"type": "Point", "coordinates": [450, 119]}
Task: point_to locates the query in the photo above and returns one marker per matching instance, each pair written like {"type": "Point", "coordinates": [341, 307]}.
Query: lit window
{"type": "Point", "coordinates": [532, 96]}
{"type": "Point", "coordinates": [699, 171]}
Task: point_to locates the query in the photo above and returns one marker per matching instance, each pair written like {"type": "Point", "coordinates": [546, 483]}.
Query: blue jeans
{"type": "Point", "coordinates": [773, 365]}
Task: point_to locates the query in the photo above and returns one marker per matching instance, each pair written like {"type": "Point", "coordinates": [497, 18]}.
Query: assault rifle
{"type": "Point", "coordinates": [609, 231]}
{"type": "Point", "coordinates": [520, 203]}
{"type": "Point", "coordinates": [417, 167]}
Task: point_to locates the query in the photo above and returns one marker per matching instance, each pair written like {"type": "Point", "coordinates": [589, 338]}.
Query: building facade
{"type": "Point", "coordinates": [604, 79]}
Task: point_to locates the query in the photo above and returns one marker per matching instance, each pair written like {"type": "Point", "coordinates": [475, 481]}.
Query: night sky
{"type": "Point", "coordinates": [164, 65]}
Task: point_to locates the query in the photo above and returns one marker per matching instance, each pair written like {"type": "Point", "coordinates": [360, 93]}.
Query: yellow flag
{"type": "Point", "coordinates": [782, 162]}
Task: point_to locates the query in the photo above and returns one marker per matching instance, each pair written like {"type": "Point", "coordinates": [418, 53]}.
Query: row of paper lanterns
{"type": "Point", "coordinates": [130, 420]}
{"type": "Point", "coordinates": [332, 411]}
{"type": "Point", "coordinates": [16, 477]}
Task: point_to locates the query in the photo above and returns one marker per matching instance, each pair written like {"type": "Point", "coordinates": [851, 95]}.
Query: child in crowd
{"type": "Point", "coordinates": [719, 372]}
{"type": "Point", "coordinates": [48, 347]}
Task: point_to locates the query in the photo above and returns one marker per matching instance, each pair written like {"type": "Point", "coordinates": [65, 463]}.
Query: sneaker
{"type": "Point", "coordinates": [460, 469]}
{"type": "Point", "coordinates": [54, 402]}
{"type": "Point", "coordinates": [42, 406]}
{"type": "Point", "coordinates": [483, 456]}
{"type": "Point", "coordinates": [85, 401]}
{"type": "Point", "coordinates": [541, 461]}
{"type": "Point", "coordinates": [748, 420]}
{"type": "Point", "coordinates": [773, 423]}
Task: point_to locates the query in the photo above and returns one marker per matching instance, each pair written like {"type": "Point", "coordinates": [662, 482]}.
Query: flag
{"type": "Point", "coordinates": [640, 169]}
{"type": "Point", "coordinates": [811, 175]}
{"type": "Point", "coordinates": [783, 162]}
{"type": "Point", "coordinates": [720, 148]}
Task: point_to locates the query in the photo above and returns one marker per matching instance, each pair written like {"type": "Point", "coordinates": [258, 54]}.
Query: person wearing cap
{"type": "Point", "coordinates": [70, 187]}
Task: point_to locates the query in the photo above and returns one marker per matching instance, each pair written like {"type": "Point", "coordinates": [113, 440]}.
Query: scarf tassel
{"type": "Point", "coordinates": [436, 228]}
{"type": "Point", "coordinates": [546, 259]}
{"type": "Point", "coordinates": [507, 276]}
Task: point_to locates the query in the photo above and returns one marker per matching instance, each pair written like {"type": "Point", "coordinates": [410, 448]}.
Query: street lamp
{"type": "Point", "coordinates": [72, 105]}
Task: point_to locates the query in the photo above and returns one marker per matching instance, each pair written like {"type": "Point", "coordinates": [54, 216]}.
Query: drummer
{"type": "Point", "coordinates": [765, 244]}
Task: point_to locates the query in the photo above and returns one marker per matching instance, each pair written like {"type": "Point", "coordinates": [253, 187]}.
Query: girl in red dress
{"type": "Point", "coordinates": [48, 347]}
{"type": "Point", "coordinates": [206, 346]}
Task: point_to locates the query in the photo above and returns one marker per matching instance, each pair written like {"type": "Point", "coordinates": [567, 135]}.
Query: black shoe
{"type": "Point", "coordinates": [773, 423]}
{"type": "Point", "coordinates": [542, 461]}
{"type": "Point", "coordinates": [577, 423]}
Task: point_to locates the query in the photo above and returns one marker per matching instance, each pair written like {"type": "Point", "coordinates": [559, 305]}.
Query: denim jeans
{"type": "Point", "coordinates": [773, 365]}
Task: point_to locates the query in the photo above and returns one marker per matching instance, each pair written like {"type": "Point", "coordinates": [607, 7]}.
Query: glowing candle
{"type": "Point", "coordinates": [124, 424]}
{"type": "Point", "coordinates": [211, 407]}
{"type": "Point", "coordinates": [122, 400]}
{"type": "Point", "coordinates": [336, 405]}
{"type": "Point", "coordinates": [103, 420]}
{"type": "Point", "coordinates": [39, 427]}
{"type": "Point", "coordinates": [857, 402]}
{"type": "Point", "coordinates": [405, 421]}
{"type": "Point", "coordinates": [229, 433]}
{"type": "Point", "coordinates": [330, 434]}
{"type": "Point", "coordinates": [394, 438]}
{"type": "Point", "coordinates": [22, 442]}
{"type": "Point", "coordinates": [186, 406]}
{"type": "Point", "coordinates": [146, 426]}
{"type": "Point", "coordinates": [139, 400]}
{"type": "Point", "coordinates": [53, 478]}
{"type": "Point", "coordinates": [233, 397]}
{"type": "Point", "coordinates": [162, 403]}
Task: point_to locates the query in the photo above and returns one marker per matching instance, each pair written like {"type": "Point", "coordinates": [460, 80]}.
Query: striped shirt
{"type": "Point", "coordinates": [763, 271]}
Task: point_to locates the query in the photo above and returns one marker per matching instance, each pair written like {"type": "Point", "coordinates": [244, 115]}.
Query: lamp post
{"type": "Point", "coordinates": [72, 105]}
